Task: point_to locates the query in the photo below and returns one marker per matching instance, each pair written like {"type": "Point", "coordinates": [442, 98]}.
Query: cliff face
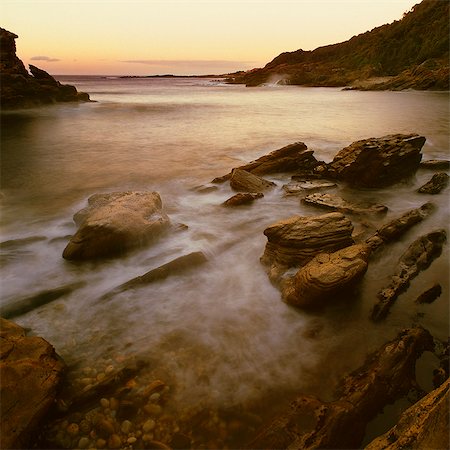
{"type": "Point", "coordinates": [19, 89]}
{"type": "Point", "coordinates": [410, 53]}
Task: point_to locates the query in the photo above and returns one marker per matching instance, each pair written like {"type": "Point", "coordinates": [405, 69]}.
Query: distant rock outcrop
{"type": "Point", "coordinates": [19, 89]}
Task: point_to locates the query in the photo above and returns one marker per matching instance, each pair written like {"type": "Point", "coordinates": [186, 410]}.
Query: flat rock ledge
{"type": "Point", "coordinates": [378, 162]}
{"type": "Point", "coordinates": [30, 374]}
{"type": "Point", "coordinates": [115, 223]}
{"type": "Point", "coordinates": [295, 241]}
{"type": "Point", "coordinates": [327, 277]}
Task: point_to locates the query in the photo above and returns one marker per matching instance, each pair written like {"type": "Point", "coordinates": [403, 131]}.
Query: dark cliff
{"type": "Point", "coordinates": [19, 89]}
{"type": "Point", "coordinates": [410, 53]}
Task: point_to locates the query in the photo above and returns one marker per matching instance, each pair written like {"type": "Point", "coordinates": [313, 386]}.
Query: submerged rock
{"type": "Point", "coordinates": [386, 376]}
{"type": "Point", "coordinates": [243, 199]}
{"type": "Point", "coordinates": [31, 372]}
{"type": "Point", "coordinates": [435, 164]}
{"type": "Point", "coordinates": [438, 182]}
{"type": "Point", "coordinates": [19, 89]}
{"type": "Point", "coordinates": [419, 256]}
{"type": "Point", "coordinates": [336, 203]}
{"type": "Point", "coordinates": [295, 241]}
{"type": "Point", "coordinates": [327, 277]}
{"type": "Point", "coordinates": [115, 223]}
{"type": "Point", "coordinates": [430, 295]}
{"type": "Point", "coordinates": [422, 426]}
{"type": "Point", "coordinates": [241, 180]}
{"type": "Point", "coordinates": [301, 186]}
{"type": "Point", "coordinates": [378, 162]}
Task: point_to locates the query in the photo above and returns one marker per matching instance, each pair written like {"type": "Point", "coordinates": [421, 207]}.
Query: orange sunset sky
{"type": "Point", "coordinates": [145, 37]}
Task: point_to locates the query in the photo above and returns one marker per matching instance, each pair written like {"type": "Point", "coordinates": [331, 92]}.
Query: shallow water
{"type": "Point", "coordinates": [220, 332]}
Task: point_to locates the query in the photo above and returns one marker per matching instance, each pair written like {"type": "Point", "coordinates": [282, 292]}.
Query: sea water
{"type": "Point", "coordinates": [220, 333]}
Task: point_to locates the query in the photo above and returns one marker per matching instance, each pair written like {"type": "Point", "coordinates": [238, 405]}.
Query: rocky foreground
{"type": "Point", "coordinates": [19, 89]}
{"type": "Point", "coordinates": [315, 261]}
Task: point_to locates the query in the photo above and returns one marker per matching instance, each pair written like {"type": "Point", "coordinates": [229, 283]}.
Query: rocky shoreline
{"type": "Point", "coordinates": [315, 261]}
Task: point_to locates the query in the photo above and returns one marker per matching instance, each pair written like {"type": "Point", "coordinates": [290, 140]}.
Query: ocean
{"type": "Point", "coordinates": [220, 335]}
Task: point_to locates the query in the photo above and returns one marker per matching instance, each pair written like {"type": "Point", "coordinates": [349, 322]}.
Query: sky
{"type": "Point", "coordinates": [182, 37]}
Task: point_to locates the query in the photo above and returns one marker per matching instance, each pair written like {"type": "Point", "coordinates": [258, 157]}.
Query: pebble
{"type": "Point", "coordinates": [109, 370]}
{"type": "Point", "coordinates": [131, 440]}
{"type": "Point", "coordinates": [113, 403]}
{"type": "Point", "coordinates": [101, 443]}
{"type": "Point", "coordinates": [105, 426]}
{"type": "Point", "coordinates": [73, 429]}
{"type": "Point", "coordinates": [154, 397]}
{"type": "Point", "coordinates": [152, 409]}
{"type": "Point", "coordinates": [148, 426]}
{"type": "Point", "coordinates": [126, 426]}
{"type": "Point", "coordinates": [85, 426]}
{"type": "Point", "coordinates": [83, 442]}
{"type": "Point", "coordinates": [104, 402]}
{"type": "Point", "coordinates": [100, 376]}
{"type": "Point", "coordinates": [114, 441]}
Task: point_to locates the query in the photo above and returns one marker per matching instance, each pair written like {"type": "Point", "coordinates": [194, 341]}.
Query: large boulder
{"type": "Point", "coordinates": [19, 89]}
{"type": "Point", "coordinates": [425, 425]}
{"type": "Point", "coordinates": [295, 241]}
{"type": "Point", "coordinates": [378, 162]}
{"type": "Point", "coordinates": [30, 375]}
{"type": "Point", "coordinates": [244, 181]}
{"type": "Point", "coordinates": [327, 277]}
{"type": "Point", "coordinates": [115, 223]}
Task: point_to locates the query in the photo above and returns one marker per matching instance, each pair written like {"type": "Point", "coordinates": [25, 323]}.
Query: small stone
{"type": "Point", "coordinates": [113, 403]}
{"type": "Point", "coordinates": [109, 369]}
{"type": "Point", "coordinates": [152, 409]}
{"type": "Point", "coordinates": [73, 429]}
{"type": "Point", "coordinates": [131, 440]}
{"type": "Point", "coordinates": [154, 397]}
{"type": "Point", "coordinates": [83, 442]}
{"type": "Point", "coordinates": [101, 443]}
{"type": "Point", "coordinates": [86, 381]}
{"type": "Point", "coordinates": [100, 376]}
{"type": "Point", "coordinates": [85, 426]}
{"type": "Point", "coordinates": [114, 441]}
{"type": "Point", "coordinates": [126, 426]}
{"type": "Point", "coordinates": [148, 426]}
{"type": "Point", "coordinates": [105, 427]}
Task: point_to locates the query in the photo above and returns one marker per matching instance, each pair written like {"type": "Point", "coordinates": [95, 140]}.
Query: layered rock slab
{"type": "Point", "coordinates": [378, 162]}
{"type": "Point", "coordinates": [115, 223]}
{"type": "Point", "coordinates": [242, 199]}
{"type": "Point", "coordinates": [438, 182]}
{"type": "Point", "coordinates": [244, 181]}
{"type": "Point", "coordinates": [327, 277]}
{"type": "Point", "coordinates": [30, 373]}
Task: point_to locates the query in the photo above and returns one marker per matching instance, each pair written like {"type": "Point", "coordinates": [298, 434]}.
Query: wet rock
{"type": "Point", "coordinates": [295, 241]}
{"type": "Point", "coordinates": [19, 89]}
{"type": "Point", "coordinates": [430, 295]}
{"type": "Point", "coordinates": [419, 256]}
{"type": "Point", "coordinates": [327, 277]}
{"type": "Point", "coordinates": [438, 182]}
{"type": "Point", "coordinates": [336, 203]}
{"type": "Point", "coordinates": [243, 199]}
{"type": "Point", "coordinates": [175, 267]}
{"type": "Point", "coordinates": [422, 426]}
{"type": "Point", "coordinates": [302, 186]}
{"type": "Point", "coordinates": [24, 305]}
{"type": "Point", "coordinates": [30, 374]}
{"type": "Point", "coordinates": [114, 223]}
{"type": "Point", "coordinates": [435, 164]}
{"type": "Point", "coordinates": [291, 158]}
{"type": "Point", "coordinates": [378, 162]}
{"type": "Point", "coordinates": [386, 376]}
{"type": "Point", "coordinates": [397, 227]}
{"type": "Point", "coordinates": [242, 180]}
{"type": "Point", "coordinates": [16, 243]}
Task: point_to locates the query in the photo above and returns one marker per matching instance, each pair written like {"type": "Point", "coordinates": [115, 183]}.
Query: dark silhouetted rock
{"type": "Point", "coordinates": [438, 182]}
{"type": "Point", "coordinates": [19, 89]}
{"type": "Point", "coordinates": [295, 241]}
{"type": "Point", "coordinates": [336, 203]}
{"type": "Point", "coordinates": [422, 426]}
{"type": "Point", "coordinates": [242, 180]}
{"type": "Point", "coordinates": [243, 199]}
{"type": "Point", "coordinates": [397, 227]}
{"type": "Point", "coordinates": [430, 295]}
{"type": "Point", "coordinates": [386, 376]}
{"type": "Point", "coordinates": [435, 164]}
{"type": "Point", "coordinates": [114, 223]}
{"type": "Point", "coordinates": [30, 375]}
{"type": "Point", "coordinates": [327, 277]}
{"type": "Point", "coordinates": [419, 256]}
{"type": "Point", "coordinates": [378, 162]}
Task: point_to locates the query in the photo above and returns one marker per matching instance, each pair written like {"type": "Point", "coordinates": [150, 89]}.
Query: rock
{"type": "Point", "coordinates": [243, 199]}
{"type": "Point", "coordinates": [24, 305]}
{"type": "Point", "coordinates": [422, 426]}
{"type": "Point", "coordinates": [19, 89]}
{"type": "Point", "coordinates": [31, 372]}
{"type": "Point", "coordinates": [291, 158]}
{"type": "Point", "coordinates": [438, 182]}
{"type": "Point", "coordinates": [327, 277]}
{"type": "Point", "coordinates": [242, 180]}
{"type": "Point", "coordinates": [435, 164]}
{"type": "Point", "coordinates": [386, 376]}
{"type": "Point", "coordinates": [397, 227]}
{"type": "Point", "coordinates": [430, 295]}
{"type": "Point", "coordinates": [295, 241]}
{"type": "Point", "coordinates": [174, 267]}
{"type": "Point", "coordinates": [378, 162]}
{"type": "Point", "coordinates": [419, 256]}
{"type": "Point", "coordinates": [299, 187]}
{"type": "Point", "coordinates": [114, 223]}
{"type": "Point", "coordinates": [336, 203]}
